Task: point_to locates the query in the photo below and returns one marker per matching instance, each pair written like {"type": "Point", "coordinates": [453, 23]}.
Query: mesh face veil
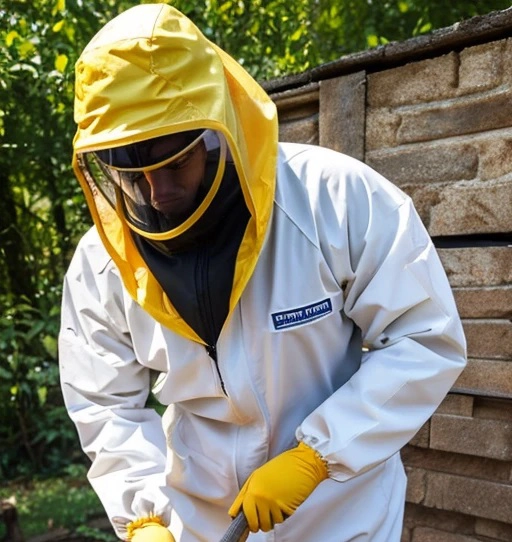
{"type": "Point", "coordinates": [160, 186]}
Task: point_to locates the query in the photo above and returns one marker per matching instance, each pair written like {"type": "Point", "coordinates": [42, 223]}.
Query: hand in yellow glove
{"type": "Point", "coordinates": [149, 530]}
{"type": "Point", "coordinates": [275, 490]}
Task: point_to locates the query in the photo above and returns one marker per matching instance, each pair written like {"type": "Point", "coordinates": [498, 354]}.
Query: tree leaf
{"type": "Point", "coordinates": [11, 36]}
{"type": "Point", "coordinates": [61, 61]}
{"type": "Point", "coordinates": [372, 40]}
{"type": "Point", "coordinates": [42, 393]}
{"type": "Point", "coordinates": [57, 27]}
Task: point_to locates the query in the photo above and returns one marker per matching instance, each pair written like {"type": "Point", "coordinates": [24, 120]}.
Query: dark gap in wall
{"type": "Point", "coordinates": [474, 240]}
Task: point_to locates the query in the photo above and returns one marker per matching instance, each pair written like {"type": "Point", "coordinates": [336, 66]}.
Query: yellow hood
{"type": "Point", "coordinates": [151, 72]}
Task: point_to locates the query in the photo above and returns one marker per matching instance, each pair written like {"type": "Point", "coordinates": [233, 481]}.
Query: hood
{"type": "Point", "coordinates": [151, 72]}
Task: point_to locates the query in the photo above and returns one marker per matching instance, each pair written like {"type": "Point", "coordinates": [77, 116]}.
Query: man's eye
{"type": "Point", "coordinates": [181, 162]}
{"type": "Point", "coordinates": [133, 177]}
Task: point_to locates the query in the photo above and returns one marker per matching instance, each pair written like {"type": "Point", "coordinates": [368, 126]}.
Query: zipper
{"type": "Point", "coordinates": [212, 352]}
{"type": "Point", "coordinates": [205, 308]}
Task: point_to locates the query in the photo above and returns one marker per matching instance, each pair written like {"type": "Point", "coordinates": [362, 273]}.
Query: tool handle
{"type": "Point", "coordinates": [238, 531]}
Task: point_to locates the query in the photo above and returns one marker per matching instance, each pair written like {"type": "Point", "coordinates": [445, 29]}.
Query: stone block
{"type": "Point", "coordinates": [486, 377]}
{"type": "Point", "coordinates": [492, 408]}
{"type": "Point", "coordinates": [471, 496]}
{"type": "Point", "coordinates": [480, 266]}
{"type": "Point", "coordinates": [422, 437]}
{"type": "Point", "coordinates": [489, 339]}
{"type": "Point", "coordinates": [481, 67]}
{"type": "Point", "coordinates": [484, 302]}
{"type": "Point", "coordinates": [426, 163]}
{"type": "Point", "coordinates": [300, 131]}
{"type": "Point", "coordinates": [381, 127]}
{"type": "Point", "coordinates": [468, 466]}
{"type": "Point", "coordinates": [472, 436]}
{"type": "Point", "coordinates": [458, 405]}
{"type": "Point", "coordinates": [342, 114]}
{"type": "Point", "coordinates": [507, 64]}
{"type": "Point", "coordinates": [406, 534]}
{"type": "Point", "coordinates": [416, 485]}
{"type": "Point", "coordinates": [297, 103]}
{"type": "Point", "coordinates": [493, 529]}
{"type": "Point", "coordinates": [427, 534]}
{"type": "Point", "coordinates": [466, 115]}
{"type": "Point", "coordinates": [495, 155]}
{"type": "Point", "coordinates": [414, 83]}
{"type": "Point", "coordinates": [463, 208]}
{"type": "Point", "coordinates": [420, 516]}
{"type": "Point", "coordinates": [473, 208]}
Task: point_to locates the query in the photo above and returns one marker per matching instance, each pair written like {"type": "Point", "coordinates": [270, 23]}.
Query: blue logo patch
{"type": "Point", "coordinates": [301, 315]}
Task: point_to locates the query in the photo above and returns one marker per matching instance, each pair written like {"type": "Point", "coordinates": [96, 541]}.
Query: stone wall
{"type": "Point", "coordinates": [434, 115]}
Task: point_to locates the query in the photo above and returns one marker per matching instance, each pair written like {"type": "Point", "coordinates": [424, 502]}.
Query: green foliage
{"type": "Point", "coordinates": [93, 533]}
{"type": "Point", "coordinates": [273, 38]}
{"type": "Point", "coordinates": [30, 395]}
{"type": "Point", "coordinates": [42, 209]}
{"type": "Point", "coordinates": [67, 502]}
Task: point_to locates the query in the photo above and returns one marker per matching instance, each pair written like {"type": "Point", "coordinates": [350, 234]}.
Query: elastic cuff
{"type": "Point", "coordinates": [320, 461]}
{"type": "Point", "coordinates": [136, 524]}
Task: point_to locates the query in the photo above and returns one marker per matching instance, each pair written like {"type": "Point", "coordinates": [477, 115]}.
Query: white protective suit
{"type": "Point", "coordinates": [342, 333]}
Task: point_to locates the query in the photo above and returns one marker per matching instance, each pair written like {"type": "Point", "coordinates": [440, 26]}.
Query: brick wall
{"type": "Point", "coordinates": [434, 115]}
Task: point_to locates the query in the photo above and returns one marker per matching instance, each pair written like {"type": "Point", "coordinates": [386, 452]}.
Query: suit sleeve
{"type": "Point", "coordinates": [397, 293]}
{"type": "Point", "coordinates": [105, 391]}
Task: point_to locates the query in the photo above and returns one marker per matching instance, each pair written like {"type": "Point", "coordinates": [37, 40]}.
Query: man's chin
{"type": "Point", "coordinates": [176, 218]}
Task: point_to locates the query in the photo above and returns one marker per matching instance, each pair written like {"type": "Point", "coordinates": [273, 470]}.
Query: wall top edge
{"type": "Point", "coordinates": [481, 29]}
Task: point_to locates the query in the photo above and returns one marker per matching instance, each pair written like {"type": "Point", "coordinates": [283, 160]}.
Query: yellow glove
{"type": "Point", "coordinates": [149, 529]}
{"type": "Point", "coordinates": [275, 490]}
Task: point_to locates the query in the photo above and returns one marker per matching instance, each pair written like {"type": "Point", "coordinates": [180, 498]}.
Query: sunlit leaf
{"type": "Point", "coordinates": [11, 36]}
{"type": "Point", "coordinates": [225, 6]}
{"type": "Point", "coordinates": [372, 40]}
{"type": "Point", "coordinates": [403, 7]}
{"type": "Point", "coordinates": [61, 61]}
{"type": "Point", "coordinates": [42, 394]}
{"type": "Point", "coordinates": [296, 35]}
{"type": "Point", "coordinates": [57, 27]}
{"type": "Point", "coordinates": [70, 32]}
{"type": "Point", "coordinates": [60, 5]}
{"type": "Point", "coordinates": [26, 48]}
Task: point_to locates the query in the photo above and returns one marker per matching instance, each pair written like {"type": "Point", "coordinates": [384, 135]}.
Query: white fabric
{"type": "Point", "coordinates": [345, 249]}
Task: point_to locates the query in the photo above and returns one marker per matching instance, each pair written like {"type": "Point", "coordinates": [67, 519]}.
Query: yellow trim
{"type": "Point", "coordinates": [162, 163]}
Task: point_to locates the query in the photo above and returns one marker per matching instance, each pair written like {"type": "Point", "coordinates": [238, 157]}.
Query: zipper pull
{"type": "Point", "coordinates": [212, 352]}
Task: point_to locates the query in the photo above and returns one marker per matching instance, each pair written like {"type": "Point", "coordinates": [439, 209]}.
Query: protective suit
{"type": "Point", "coordinates": [332, 321]}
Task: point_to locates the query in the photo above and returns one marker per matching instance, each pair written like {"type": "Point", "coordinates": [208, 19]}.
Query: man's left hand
{"type": "Point", "coordinates": [275, 490]}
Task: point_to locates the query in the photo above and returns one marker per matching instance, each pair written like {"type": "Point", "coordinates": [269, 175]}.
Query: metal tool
{"type": "Point", "coordinates": [238, 531]}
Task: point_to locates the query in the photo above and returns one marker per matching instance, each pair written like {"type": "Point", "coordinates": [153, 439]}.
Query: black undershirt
{"type": "Point", "coordinates": [196, 269]}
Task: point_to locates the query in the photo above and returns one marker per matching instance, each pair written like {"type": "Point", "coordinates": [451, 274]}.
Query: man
{"type": "Point", "coordinates": [283, 301]}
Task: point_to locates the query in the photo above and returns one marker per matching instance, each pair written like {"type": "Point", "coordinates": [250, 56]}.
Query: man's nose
{"type": "Point", "coordinates": [160, 182]}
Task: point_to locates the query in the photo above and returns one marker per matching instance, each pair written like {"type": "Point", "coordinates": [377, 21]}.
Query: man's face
{"type": "Point", "coordinates": [172, 189]}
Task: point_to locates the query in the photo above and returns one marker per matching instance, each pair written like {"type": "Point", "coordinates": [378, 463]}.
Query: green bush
{"type": "Point", "coordinates": [36, 434]}
{"type": "Point", "coordinates": [67, 502]}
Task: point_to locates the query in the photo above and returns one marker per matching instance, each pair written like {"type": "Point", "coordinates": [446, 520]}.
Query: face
{"type": "Point", "coordinates": [172, 189]}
